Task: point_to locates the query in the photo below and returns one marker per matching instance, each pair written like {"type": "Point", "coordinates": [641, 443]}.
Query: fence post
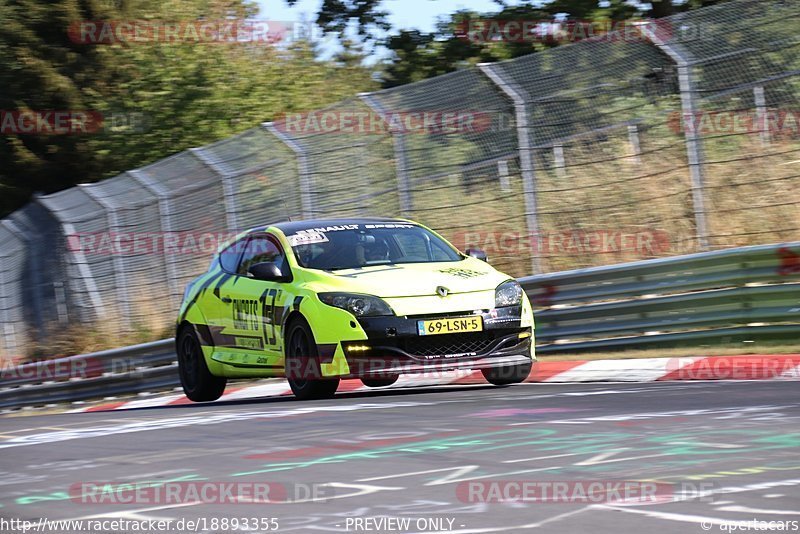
{"type": "Point", "coordinates": [22, 232]}
{"type": "Point", "coordinates": [560, 163]}
{"type": "Point", "coordinates": [79, 260]}
{"type": "Point", "coordinates": [525, 146]}
{"type": "Point", "coordinates": [636, 146]}
{"type": "Point", "coordinates": [165, 213]}
{"type": "Point", "coordinates": [761, 114]}
{"type": "Point", "coordinates": [400, 156]}
{"type": "Point", "coordinates": [502, 172]}
{"type": "Point", "coordinates": [119, 268]}
{"type": "Point", "coordinates": [694, 142]}
{"type": "Point", "coordinates": [229, 194]}
{"type": "Point", "coordinates": [10, 341]}
{"type": "Point", "coordinates": [306, 203]}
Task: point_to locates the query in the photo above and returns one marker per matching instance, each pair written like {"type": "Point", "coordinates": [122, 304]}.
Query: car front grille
{"type": "Point", "coordinates": [477, 342]}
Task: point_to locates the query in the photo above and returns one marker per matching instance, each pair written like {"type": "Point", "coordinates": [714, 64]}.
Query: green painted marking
{"type": "Point", "coordinates": [544, 440]}
{"type": "Point", "coordinates": [65, 496]}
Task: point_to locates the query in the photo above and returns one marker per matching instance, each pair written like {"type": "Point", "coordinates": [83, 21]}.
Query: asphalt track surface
{"type": "Point", "coordinates": [724, 453]}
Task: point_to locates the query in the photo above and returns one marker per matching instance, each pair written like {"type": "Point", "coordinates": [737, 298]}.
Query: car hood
{"type": "Point", "coordinates": [412, 279]}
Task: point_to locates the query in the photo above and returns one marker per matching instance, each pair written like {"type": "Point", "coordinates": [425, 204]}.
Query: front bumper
{"type": "Point", "coordinates": [394, 345]}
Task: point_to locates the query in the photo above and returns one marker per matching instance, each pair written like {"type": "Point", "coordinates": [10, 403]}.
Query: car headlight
{"type": "Point", "coordinates": [358, 305]}
{"type": "Point", "coordinates": [508, 294]}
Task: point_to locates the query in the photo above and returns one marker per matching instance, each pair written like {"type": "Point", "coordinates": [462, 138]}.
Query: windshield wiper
{"type": "Point", "coordinates": [375, 264]}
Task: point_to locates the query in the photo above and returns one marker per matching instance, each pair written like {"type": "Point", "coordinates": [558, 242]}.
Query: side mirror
{"type": "Point", "coordinates": [267, 272]}
{"type": "Point", "coordinates": [477, 253]}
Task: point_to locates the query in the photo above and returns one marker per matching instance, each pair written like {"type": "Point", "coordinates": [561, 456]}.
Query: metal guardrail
{"type": "Point", "coordinates": [148, 367]}
{"type": "Point", "coordinates": [728, 295]}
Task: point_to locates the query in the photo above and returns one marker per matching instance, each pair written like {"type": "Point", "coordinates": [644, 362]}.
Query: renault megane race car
{"type": "Point", "coordinates": [319, 300]}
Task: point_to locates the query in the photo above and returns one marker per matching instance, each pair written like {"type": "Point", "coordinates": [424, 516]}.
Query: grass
{"type": "Point", "coordinates": [751, 197]}
{"type": "Point", "coordinates": [84, 338]}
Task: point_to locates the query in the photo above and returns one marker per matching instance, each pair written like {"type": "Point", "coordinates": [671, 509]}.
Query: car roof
{"type": "Point", "coordinates": [292, 227]}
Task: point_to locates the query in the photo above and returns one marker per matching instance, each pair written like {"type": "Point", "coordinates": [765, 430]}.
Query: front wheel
{"type": "Point", "coordinates": [198, 383]}
{"type": "Point", "coordinates": [303, 370]}
{"type": "Point", "coordinates": [509, 374]}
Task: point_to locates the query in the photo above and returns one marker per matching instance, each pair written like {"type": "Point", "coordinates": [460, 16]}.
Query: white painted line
{"type": "Point", "coordinates": [196, 419]}
{"type": "Point", "coordinates": [263, 390]}
{"type": "Point", "coordinates": [444, 378]}
{"type": "Point", "coordinates": [150, 402]}
{"type": "Point", "coordinates": [633, 370]}
{"type": "Point", "coordinates": [791, 374]}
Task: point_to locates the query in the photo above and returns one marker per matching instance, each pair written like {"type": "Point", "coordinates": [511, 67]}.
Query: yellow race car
{"type": "Point", "coordinates": [319, 300]}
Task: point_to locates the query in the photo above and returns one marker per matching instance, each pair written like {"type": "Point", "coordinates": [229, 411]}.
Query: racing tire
{"type": "Point", "coordinates": [198, 383]}
{"type": "Point", "coordinates": [380, 382]}
{"type": "Point", "coordinates": [303, 366]}
{"type": "Point", "coordinates": [509, 374]}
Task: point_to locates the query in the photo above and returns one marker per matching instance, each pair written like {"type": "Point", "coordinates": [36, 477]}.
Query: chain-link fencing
{"type": "Point", "coordinates": [678, 138]}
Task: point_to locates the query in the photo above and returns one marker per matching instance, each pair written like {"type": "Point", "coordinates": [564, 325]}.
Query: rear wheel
{"type": "Point", "coordinates": [198, 383]}
{"type": "Point", "coordinates": [509, 374]}
{"type": "Point", "coordinates": [380, 382]}
{"type": "Point", "coordinates": [303, 369]}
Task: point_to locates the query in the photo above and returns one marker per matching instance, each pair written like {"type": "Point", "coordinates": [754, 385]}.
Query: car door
{"type": "Point", "coordinates": [215, 308]}
{"type": "Point", "coordinates": [256, 307]}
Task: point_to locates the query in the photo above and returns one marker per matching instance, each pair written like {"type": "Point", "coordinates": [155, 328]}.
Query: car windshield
{"type": "Point", "coordinates": [352, 246]}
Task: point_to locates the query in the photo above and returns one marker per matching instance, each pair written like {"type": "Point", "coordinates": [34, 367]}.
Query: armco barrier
{"type": "Point", "coordinates": [140, 368]}
{"type": "Point", "coordinates": [734, 295]}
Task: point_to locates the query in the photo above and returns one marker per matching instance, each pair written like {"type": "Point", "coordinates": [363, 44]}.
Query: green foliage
{"type": "Point", "coordinates": [417, 55]}
{"type": "Point", "coordinates": [187, 94]}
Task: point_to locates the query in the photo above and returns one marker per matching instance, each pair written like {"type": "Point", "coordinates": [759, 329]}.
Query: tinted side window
{"type": "Point", "coordinates": [229, 258]}
{"type": "Point", "coordinates": [261, 249]}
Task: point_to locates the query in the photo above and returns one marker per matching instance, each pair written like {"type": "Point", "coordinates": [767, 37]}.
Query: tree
{"type": "Point", "coordinates": [188, 94]}
{"type": "Point", "coordinates": [417, 55]}
{"type": "Point", "coordinates": [338, 15]}
{"type": "Point", "coordinates": [367, 15]}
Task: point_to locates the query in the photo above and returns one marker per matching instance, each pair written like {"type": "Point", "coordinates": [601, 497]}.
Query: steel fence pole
{"type": "Point", "coordinates": [400, 156]}
{"type": "Point", "coordinates": [558, 157]}
{"type": "Point", "coordinates": [694, 142]}
{"type": "Point", "coordinates": [525, 147]}
{"type": "Point", "coordinates": [229, 193]}
{"type": "Point", "coordinates": [10, 341]}
{"type": "Point", "coordinates": [165, 213]}
{"type": "Point", "coordinates": [79, 260]}
{"type": "Point", "coordinates": [636, 146]}
{"type": "Point", "coordinates": [23, 234]}
{"type": "Point", "coordinates": [760, 101]}
{"type": "Point", "coordinates": [304, 175]}
{"type": "Point", "coordinates": [119, 269]}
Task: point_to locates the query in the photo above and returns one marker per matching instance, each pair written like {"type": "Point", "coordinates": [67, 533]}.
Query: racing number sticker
{"type": "Point", "coordinates": [268, 313]}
